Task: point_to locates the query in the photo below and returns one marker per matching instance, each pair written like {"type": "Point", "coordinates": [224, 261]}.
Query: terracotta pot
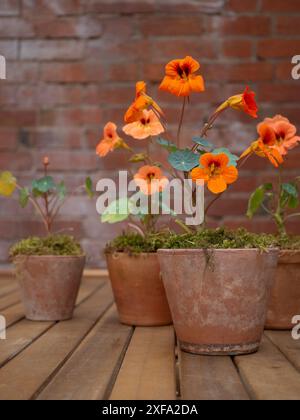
{"type": "Point", "coordinates": [138, 289]}
{"type": "Point", "coordinates": [49, 285]}
{"type": "Point", "coordinates": [285, 295]}
{"type": "Point", "coordinates": [218, 298]}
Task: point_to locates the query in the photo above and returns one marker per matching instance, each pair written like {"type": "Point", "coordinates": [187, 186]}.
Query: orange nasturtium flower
{"type": "Point", "coordinates": [242, 102]}
{"type": "Point", "coordinates": [150, 179]}
{"type": "Point", "coordinates": [216, 171]}
{"type": "Point", "coordinates": [265, 145]}
{"type": "Point", "coordinates": [145, 126]}
{"type": "Point", "coordinates": [110, 141]}
{"type": "Point", "coordinates": [285, 132]}
{"type": "Point", "coordinates": [181, 78]}
{"type": "Point", "coordinates": [142, 101]}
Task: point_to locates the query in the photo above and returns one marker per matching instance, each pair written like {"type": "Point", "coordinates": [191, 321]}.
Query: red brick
{"type": "Point", "coordinates": [8, 95]}
{"type": "Point", "coordinates": [8, 139]}
{"type": "Point", "coordinates": [243, 72]}
{"type": "Point", "coordinates": [18, 72]}
{"type": "Point", "coordinates": [59, 95]}
{"type": "Point", "coordinates": [11, 27]}
{"type": "Point", "coordinates": [9, 7]}
{"type": "Point", "coordinates": [9, 49]}
{"type": "Point", "coordinates": [288, 25]}
{"type": "Point", "coordinates": [280, 6]}
{"type": "Point", "coordinates": [121, 73]}
{"type": "Point", "coordinates": [172, 25]}
{"type": "Point", "coordinates": [51, 50]}
{"type": "Point", "coordinates": [284, 71]}
{"type": "Point", "coordinates": [241, 6]}
{"type": "Point", "coordinates": [241, 25]}
{"type": "Point", "coordinates": [53, 7]}
{"type": "Point", "coordinates": [72, 72]}
{"type": "Point", "coordinates": [71, 160]}
{"type": "Point", "coordinates": [18, 118]}
{"type": "Point", "coordinates": [269, 48]}
{"type": "Point", "coordinates": [71, 117]}
{"type": "Point", "coordinates": [56, 138]}
{"type": "Point", "coordinates": [232, 206]}
{"type": "Point", "coordinates": [168, 49]}
{"type": "Point", "coordinates": [237, 48]}
{"type": "Point", "coordinates": [70, 27]}
{"type": "Point", "coordinates": [279, 92]}
{"type": "Point", "coordinates": [15, 161]}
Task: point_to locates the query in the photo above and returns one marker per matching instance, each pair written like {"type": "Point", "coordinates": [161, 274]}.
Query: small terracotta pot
{"type": "Point", "coordinates": [218, 298]}
{"type": "Point", "coordinates": [49, 285]}
{"type": "Point", "coordinates": [138, 289]}
{"type": "Point", "coordinates": [285, 295]}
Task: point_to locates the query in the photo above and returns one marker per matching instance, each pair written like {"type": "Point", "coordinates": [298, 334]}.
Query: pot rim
{"type": "Point", "coordinates": [50, 256]}
{"type": "Point", "coordinates": [195, 250]}
{"type": "Point", "coordinates": [133, 255]}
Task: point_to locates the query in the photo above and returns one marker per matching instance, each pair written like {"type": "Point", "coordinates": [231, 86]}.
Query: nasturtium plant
{"type": "Point", "coordinates": [45, 195]}
{"type": "Point", "coordinates": [117, 211]}
{"type": "Point", "coordinates": [276, 202]}
{"type": "Point", "coordinates": [233, 159]}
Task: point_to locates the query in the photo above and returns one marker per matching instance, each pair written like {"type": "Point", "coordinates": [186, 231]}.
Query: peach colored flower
{"type": "Point", "coordinates": [110, 141]}
{"type": "Point", "coordinates": [142, 101]}
{"type": "Point", "coordinates": [147, 125]}
{"type": "Point", "coordinates": [264, 145]}
{"type": "Point", "coordinates": [285, 133]}
{"type": "Point", "coordinates": [150, 179]}
{"type": "Point", "coordinates": [216, 171]}
{"type": "Point", "coordinates": [181, 78]}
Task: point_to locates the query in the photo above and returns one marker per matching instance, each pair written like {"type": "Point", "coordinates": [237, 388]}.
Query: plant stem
{"type": "Point", "coordinates": [181, 121]}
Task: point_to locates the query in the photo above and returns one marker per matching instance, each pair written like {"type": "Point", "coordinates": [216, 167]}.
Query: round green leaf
{"type": "Point", "coordinates": [166, 144]}
{"type": "Point", "coordinates": [24, 197]}
{"type": "Point", "coordinates": [183, 160]}
{"type": "Point", "coordinates": [203, 143]}
{"type": "Point", "coordinates": [43, 185]}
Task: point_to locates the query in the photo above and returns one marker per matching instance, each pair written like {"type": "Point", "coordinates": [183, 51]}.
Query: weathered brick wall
{"type": "Point", "coordinates": [72, 65]}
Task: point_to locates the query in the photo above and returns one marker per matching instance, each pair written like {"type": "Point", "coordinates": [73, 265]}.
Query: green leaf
{"type": "Point", "coordinates": [89, 187]}
{"type": "Point", "coordinates": [43, 185]}
{"type": "Point", "coordinates": [7, 183]}
{"type": "Point", "coordinates": [61, 189]}
{"type": "Point", "coordinates": [116, 212]}
{"type": "Point", "coordinates": [166, 144]}
{"type": "Point", "coordinates": [203, 142]}
{"type": "Point", "coordinates": [233, 159]}
{"type": "Point", "coordinates": [257, 198]}
{"type": "Point", "coordinates": [290, 189]}
{"type": "Point", "coordinates": [139, 157]}
{"type": "Point", "coordinates": [183, 160]}
{"type": "Point", "coordinates": [24, 197]}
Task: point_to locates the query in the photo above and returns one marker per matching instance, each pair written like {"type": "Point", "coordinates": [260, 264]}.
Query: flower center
{"type": "Point", "coordinates": [214, 168]}
{"type": "Point", "coordinates": [184, 71]}
{"type": "Point", "coordinates": [145, 121]}
{"type": "Point", "coordinates": [150, 176]}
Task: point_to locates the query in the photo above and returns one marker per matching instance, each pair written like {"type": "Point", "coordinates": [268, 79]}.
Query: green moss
{"type": "Point", "coordinates": [49, 245]}
{"type": "Point", "coordinates": [288, 242]}
{"type": "Point", "coordinates": [220, 238]}
{"type": "Point", "coordinates": [133, 243]}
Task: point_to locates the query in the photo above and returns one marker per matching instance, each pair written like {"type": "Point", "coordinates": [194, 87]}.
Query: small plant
{"type": "Point", "coordinates": [277, 200]}
{"type": "Point", "coordinates": [45, 195]}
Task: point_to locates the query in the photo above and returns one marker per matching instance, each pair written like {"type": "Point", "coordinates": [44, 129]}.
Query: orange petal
{"type": "Point", "coordinates": [217, 184]}
{"type": "Point", "coordinates": [196, 83]}
{"type": "Point", "coordinates": [206, 159]}
{"type": "Point", "coordinates": [199, 173]}
{"type": "Point", "coordinates": [230, 174]}
{"type": "Point", "coordinates": [191, 63]}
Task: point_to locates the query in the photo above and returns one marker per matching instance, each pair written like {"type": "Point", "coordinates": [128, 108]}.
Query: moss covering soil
{"type": "Point", "coordinates": [63, 245]}
{"type": "Point", "coordinates": [220, 238]}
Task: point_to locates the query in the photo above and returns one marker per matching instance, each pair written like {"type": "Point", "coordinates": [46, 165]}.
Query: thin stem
{"type": "Point", "coordinates": [290, 216]}
{"type": "Point", "coordinates": [37, 208]}
{"type": "Point", "coordinates": [181, 121]}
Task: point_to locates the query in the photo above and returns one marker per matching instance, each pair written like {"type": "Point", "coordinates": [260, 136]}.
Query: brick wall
{"type": "Point", "coordinates": [72, 65]}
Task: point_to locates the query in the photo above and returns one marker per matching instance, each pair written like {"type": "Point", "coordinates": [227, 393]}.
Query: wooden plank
{"type": "Point", "coordinates": [7, 287]}
{"type": "Point", "coordinates": [25, 332]}
{"type": "Point", "coordinates": [9, 300]}
{"type": "Point", "coordinates": [209, 378]}
{"type": "Point", "coordinates": [148, 369]}
{"type": "Point", "coordinates": [268, 375]}
{"type": "Point", "coordinates": [287, 345]}
{"type": "Point", "coordinates": [25, 375]}
{"type": "Point", "coordinates": [94, 362]}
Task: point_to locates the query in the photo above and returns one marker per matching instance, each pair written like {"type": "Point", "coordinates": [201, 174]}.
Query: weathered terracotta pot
{"type": "Point", "coordinates": [285, 295]}
{"type": "Point", "coordinates": [49, 285]}
{"type": "Point", "coordinates": [218, 298]}
{"type": "Point", "coordinates": [138, 289]}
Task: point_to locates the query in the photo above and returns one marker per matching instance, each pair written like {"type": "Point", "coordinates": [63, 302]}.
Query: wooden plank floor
{"type": "Point", "coordinates": [94, 357]}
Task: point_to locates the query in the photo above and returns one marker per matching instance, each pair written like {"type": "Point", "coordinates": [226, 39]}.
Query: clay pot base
{"type": "Point", "coordinates": [220, 349]}
{"type": "Point", "coordinates": [141, 323]}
